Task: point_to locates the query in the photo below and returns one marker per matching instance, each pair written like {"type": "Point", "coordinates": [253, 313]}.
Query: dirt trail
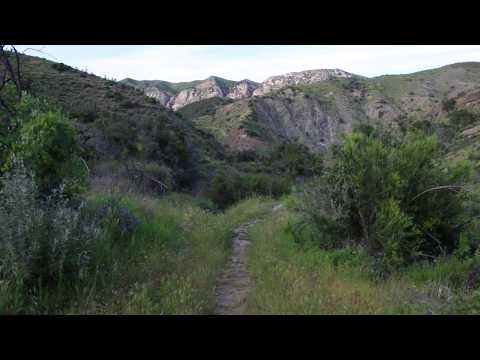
{"type": "Point", "coordinates": [234, 283]}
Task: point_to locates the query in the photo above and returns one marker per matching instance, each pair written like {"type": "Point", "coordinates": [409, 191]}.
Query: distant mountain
{"type": "Point", "coordinates": [116, 121]}
{"type": "Point", "coordinates": [317, 107]}
{"type": "Point", "coordinates": [299, 78]}
{"type": "Point", "coordinates": [177, 95]}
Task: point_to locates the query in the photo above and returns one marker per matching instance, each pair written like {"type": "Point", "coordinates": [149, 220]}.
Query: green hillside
{"type": "Point", "coordinates": [118, 123]}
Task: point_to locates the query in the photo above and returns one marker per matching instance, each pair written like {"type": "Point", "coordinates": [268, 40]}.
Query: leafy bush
{"type": "Point", "coordinates": [449, 104]}
{"type": "Point", "coordinates": [392, 194]}
{"type": "Point", "coordinates": [48, 146]}
{"type": "Point", "coordinates": [229, 186]}
{"type": "Point", "coordinates": [61, 67]}
{"type": "Point", "coordinates": [128, 104]}
{"type": "Point", "coordinates": [45, 141]}
{"type": "Point", "coordinates": [204, 203]}
{"type": "Point", "coordinates": [114, 216]}
{"type": "Point", "coordinates": [295, 159]}
{"type": "Point", "coordinates": [115, 95]}
{"type": "Point", "coordinates": [462, 118]}
{"type": "Point", "coordinates": [87, 113]}
{"type": "Point", "coordinates": [44, 240]}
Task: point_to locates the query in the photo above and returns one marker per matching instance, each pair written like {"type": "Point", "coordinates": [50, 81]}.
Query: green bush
{"type": "Point", "coordinates": [46, 142]}
{"type": "Point", "coordinates": [114, 217]}
{"type": "Point", "coordinates": [49, 147]}
{"type": "Point", "coordinates": [393, 194]}
{"type": "Point", "coordinates": [229, 186]}
{"type": "Point", "coordinates": [61, 67]}
{"type": "Point", "coordinates": [462, 118]}
{"type": "Point", "coordinates": [44, 241]}
{"type": "Point", "coordinates": [295, 159]}
{"type": "Point", "coordinates": [449, 104]}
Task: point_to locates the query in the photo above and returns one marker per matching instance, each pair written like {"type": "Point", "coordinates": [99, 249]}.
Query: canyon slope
{"type": "Point", "coordinates": [317, 112]}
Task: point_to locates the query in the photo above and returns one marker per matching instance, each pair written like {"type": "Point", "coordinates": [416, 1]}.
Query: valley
{"type": "Point", "coordinates": [312, 192]}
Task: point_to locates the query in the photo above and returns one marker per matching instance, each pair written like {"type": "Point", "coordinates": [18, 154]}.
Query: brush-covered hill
{"type": "Point", "coordinates": [317, 113]}
{"type": "Point", "coordinates": [119, 125]}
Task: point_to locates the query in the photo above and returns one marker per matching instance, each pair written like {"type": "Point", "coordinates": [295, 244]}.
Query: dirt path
{"type": "Point", "coordinates": [234, 282]}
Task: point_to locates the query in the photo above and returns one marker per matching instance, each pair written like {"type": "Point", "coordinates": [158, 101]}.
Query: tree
{"type": "Point", "coordinates": [9, 74]}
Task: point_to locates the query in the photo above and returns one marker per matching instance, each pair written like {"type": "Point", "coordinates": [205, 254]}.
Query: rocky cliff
{"type": "Point", "coordinates": [297, 78]}
{"type": "Point", "coordinates": [316, 107]}
{"type": "Point", "coordinates": [174, 97]}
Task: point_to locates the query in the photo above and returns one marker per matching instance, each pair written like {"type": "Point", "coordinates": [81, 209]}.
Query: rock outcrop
{"type": "Point", "coordinates": [243, 89]}
{"type": "Point", "coordinates": [218, 87]}
{"type": "Point", "coordinates": [163, 97]}
{"type": "Point", "coordinates": [297, 78]}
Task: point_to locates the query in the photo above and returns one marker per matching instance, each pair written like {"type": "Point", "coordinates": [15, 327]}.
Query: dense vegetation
{"type": "Point", "coordinates": [395, 195]}
{"type": "Point", "coordinates": [385, 222]}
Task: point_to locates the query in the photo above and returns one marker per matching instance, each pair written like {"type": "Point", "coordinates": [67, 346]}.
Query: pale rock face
{"type": "Point", "coordinates": [205, 90]}
{"type": "Point", "coordinates": [163, 97]}
{"type": "Point", "coordinates": [296, 78]}
{"type": "Point", "coordinates": [243, 89]}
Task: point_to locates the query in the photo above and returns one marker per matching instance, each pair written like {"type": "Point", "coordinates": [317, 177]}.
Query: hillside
{"type": "Point", "coordinates": [231, 199]}
{"type": "Point", "coordinates": [118, 123]}
{"type": "Point", "coordinates": [317, 113]}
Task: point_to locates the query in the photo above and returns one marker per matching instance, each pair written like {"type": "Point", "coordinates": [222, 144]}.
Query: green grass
{"type": "Point", "coordinates": [172, 261]}
{"type": "Point", "coordinates": [294, 279]}
{"type": "Point", "coordinates": [169, 265]}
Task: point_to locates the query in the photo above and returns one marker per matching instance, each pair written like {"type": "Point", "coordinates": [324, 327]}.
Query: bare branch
{"type": "Point", "coordinates": [39, 51]}
{"type": "Point", "coordinates": [446, 187]}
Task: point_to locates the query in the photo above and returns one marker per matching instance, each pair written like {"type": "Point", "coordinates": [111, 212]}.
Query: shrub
{"type": "Point", "coordinates": [295, 159]}
{"type": "Point", "coordinates": [49, 147]}
{"type": "Point", "coordinates": [127, 104]}
{"type": "Point", "coordinates": [87, 113]}
{"type": "Point", "coordinates": [229, 186]}
{"type": "Point", "coordinates": [44, 241]}
{"type": "Point", "coordinates": [462, 118]}
{"type": "Point", "coordinates": [448, 104]}
{"type": "Point", "coordinates": [60, 67]}
{"type": "Point", "coordinates": [115, 95]}
{"type": "Point", "coordinates": [45, 141]}
{"type": "Point", "coordinates": [204, 203]}
{"type": "Point", "coordinates": [393, 194]}
{"type": "Point", "coordinates": [114, 216]}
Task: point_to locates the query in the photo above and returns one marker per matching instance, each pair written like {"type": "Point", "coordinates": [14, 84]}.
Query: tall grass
{"type": "Point", "coordinates": [168, 263]}
{"type": "Point", "coordinates": [290, 278]}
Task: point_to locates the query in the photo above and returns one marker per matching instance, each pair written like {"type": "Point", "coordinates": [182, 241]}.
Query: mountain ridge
{"type": "Point", "coordinates": [317, 113]}
{"type": "Point", "coordinates": [175, 97]}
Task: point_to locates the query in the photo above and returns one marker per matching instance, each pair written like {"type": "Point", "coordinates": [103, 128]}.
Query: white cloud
{"type": "Point", "coordinates": [174, 63]}
{"type": "Point", "coordinates": [185, 63]}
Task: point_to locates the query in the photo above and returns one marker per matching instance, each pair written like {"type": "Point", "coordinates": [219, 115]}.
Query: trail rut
{"type": "Point", "coordinates": [234, 282]}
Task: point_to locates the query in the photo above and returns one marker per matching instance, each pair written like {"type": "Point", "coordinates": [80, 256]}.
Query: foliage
{"type": "Point", "coordinates": [295, 159]}
{"type": "Point", "coordinates": [44, 241]}
{"type": "Point", "coordinates": [43, 139]}
{"type": "Point", "coordinates": [462, 118]}
{"type": "Point", "coordinates": [229, 186]}
{"type": "Point", "coordinates": [393, 194]}
{"type": "Point", "coordinates": [448, 104]}
{"type": "Point", "coordinates": [115, 217]}
{"type": "Point", "coordinates": [48, 146]}
{"type": "Point", "coordinates": [60, 67]}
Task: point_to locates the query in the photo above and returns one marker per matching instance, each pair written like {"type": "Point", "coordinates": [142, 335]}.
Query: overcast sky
{"type": "Point", "coordinates": [236, 62]}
